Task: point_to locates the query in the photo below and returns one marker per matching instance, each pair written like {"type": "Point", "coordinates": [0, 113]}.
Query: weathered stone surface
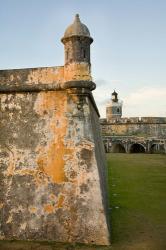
{"type": "Point", "coordinates": [49, 158]}
{"type": "Point", "coordinates": [33, 79]}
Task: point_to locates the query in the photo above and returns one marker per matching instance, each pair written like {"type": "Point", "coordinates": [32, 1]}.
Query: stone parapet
{"type": "Point", "coordinates": [134, 120]}
{"type": "Point", "coordinates": [32, 78]}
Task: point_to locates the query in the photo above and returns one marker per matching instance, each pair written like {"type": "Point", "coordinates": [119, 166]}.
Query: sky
{"type": "Point", "coordinates": [128, 53]}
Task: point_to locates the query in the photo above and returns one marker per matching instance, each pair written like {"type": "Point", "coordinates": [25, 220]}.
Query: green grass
{"type": "Point", "coordinates": [137, 188]}
{"type": "Point", "coordinates": [137, 193]}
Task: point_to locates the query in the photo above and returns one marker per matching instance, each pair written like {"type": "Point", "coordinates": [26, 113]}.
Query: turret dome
{"type": "Point", "coordinates": [77, 28]}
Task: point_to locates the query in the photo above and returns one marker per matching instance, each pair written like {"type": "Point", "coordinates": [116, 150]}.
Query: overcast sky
{"type": "Point", "coordinates": [128, 53]}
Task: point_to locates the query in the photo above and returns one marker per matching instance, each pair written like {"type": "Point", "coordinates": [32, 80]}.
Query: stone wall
{"type": "Point", "coordinates": [134, 134]}
{"type": "Point", "coordinates": [134, 126]}
{"type": "Point", "coordinates": [51, 159]}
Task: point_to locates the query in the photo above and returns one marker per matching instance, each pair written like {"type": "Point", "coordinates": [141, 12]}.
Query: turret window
{"type": "Point", "coordinates": [118, 110]}
{"type": "Point", "coordinates": [67, 55]}
{"type": "Point", "coordinates": [83, 51]}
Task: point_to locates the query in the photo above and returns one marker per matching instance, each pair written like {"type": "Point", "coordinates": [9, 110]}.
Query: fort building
{"type": "Point", "coordinates": [52, 161]}
{"type": "Point", "coordinates": [132, 134]}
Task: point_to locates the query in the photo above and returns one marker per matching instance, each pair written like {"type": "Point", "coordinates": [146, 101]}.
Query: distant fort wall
{"type": "Point", "coordinates": [136, 120]}
{"type": "Point", "coordinates": [136, 126]}
{"type": "Point", "coordinates": [134, 134]}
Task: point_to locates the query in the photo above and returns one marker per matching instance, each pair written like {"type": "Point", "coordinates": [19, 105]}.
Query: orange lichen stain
{"type": "Point", "coordinates": [60, 201]}
{"type": "Point", "coordinates": [53, 163]}
{"type": "Point", "coordinates": [32, 210]}
{"type": "Point", "coordinates": [51, 158]}
{"type": "Point", "coordinates": [48, 208]}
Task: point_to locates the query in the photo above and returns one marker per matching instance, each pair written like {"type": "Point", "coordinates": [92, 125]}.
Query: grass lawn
{"type": "Point", "coordinates": [137, 193]}
{"type": "Point", "coordinates": [137, 188]}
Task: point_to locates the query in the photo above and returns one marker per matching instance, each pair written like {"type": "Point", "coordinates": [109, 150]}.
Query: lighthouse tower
{"type": "Point", "coordinates": [114, 107]}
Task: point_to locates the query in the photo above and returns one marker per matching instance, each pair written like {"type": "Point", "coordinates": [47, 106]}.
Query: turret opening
{"type": "Point", "coordinates": [84, 53]}
{"type": "Point", "coordinates": [67, 55]}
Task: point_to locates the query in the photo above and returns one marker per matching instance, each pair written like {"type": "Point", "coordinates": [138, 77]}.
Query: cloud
{"type": "Point", "coordinates": [146, 94]}
{"type": "Point", "coordinates": [147, 101]}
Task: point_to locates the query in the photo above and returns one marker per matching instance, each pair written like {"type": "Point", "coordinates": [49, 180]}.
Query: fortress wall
{"type": "Point", "coordinates": [32, 79]}
{"type": "Point", "coordinates": [157, 130]}
{"type": "Point", "coordinates": [139, 120]}
{"type": "Point", "coordinates": [51, 160]}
